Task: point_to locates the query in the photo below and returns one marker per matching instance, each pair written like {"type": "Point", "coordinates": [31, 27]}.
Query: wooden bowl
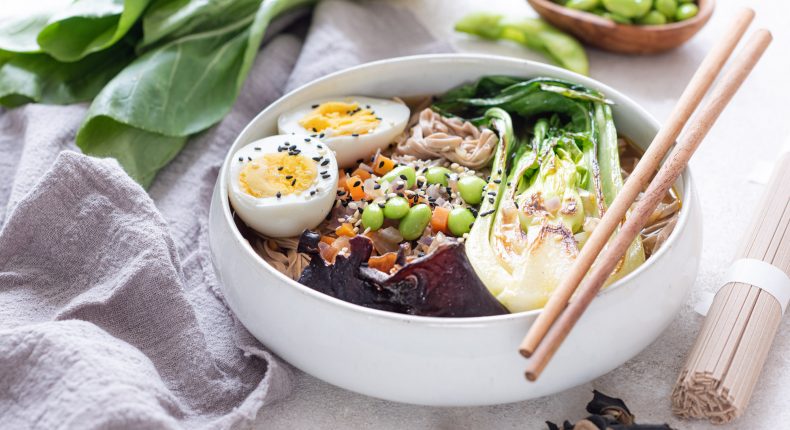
{"type": "Point", "coordinates": [608, 35]}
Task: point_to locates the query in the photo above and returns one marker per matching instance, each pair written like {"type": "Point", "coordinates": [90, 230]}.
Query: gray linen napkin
{"type": "Point", "coordinates": [110, 313]}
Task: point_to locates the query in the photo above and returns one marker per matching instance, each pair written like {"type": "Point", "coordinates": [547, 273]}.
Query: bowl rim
{"type": "Point", "coordinates": [705, 11]}
{"type": "Point", "coordinates": [459, 322]}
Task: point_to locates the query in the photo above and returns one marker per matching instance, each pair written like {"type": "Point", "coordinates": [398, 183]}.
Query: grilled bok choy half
{"type": "Point", "coordinates": [555, 171]}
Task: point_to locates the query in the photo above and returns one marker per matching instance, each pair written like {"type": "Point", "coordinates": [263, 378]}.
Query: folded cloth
{"type": "Point", "coordinates": [110, 313]}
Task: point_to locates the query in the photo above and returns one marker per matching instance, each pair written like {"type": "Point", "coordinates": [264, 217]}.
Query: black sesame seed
{"type": "Point", "coordinates": [487, 213]}
{"type": "Point", "coordinates": [497, 181]}
{"type": "Point", "coordinates": [376, 186]}
{"type": "Point", "coordinates": [288, 176]}
{"type": "Point", "coordinates": [420, 184]}
{"type": "Point", "coordinates": [241, 158]}
{"type": "Point", "coordinates": [257, 148]}
{"type": "Point", "coordinates": [320, 135]}
{"type": "Point", "coordinates": [325, 162]}
{"type": "Point", "coordinates": [491, 200]}
{"type": "Point", "coordinates": [381, 164]}
{"type": "Point", "coordinates": [249, 158]}
{"type": "Point", "coordinates": [474, 211]}
{"type": "Point", "coordinates": [280, 168]}
{"type": "Point", "coordinates": [357, 183]}
{"type": "Point", "coordinates": [491, 193]}
{"type": "Point", "coordinates": [312, 192]}
{"type": "Point", "coordinates": [403, 177]}
{"type": "Point", "coordinates": [317, 159]}
{"type": "Point", "coordinates": [367, 106]}
{"type": "Point", "coordinates": [319, 145]}
{"type": "Point", "coordinates": [341, 193]}
{"type": "Point", "coordinates": [354, 134]}
{"type": "Point", "coordinates": [279, 194]}
{"type": "Point", "coordinates": [293, 182]}
{"type": "Point", "coordinates": [306, 139]}
{"type": "Point", "coordinates": [314, 106]}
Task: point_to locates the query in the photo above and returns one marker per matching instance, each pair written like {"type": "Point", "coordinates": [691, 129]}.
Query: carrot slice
{"type": "Point", "coordinates": [439, 220]}
{"type": "Point", "coordinates": [345, 229]}
{"type": "Point", "coordinates": [362, 173]}
{"type": "Point", "coordinates": [327, 239]}
{"type": "Point", "coordinates": [354, 184]}
{"type": "Point", "coordinates": [382, 164]}
{"type": "Point", "coordinates": [384, 263]}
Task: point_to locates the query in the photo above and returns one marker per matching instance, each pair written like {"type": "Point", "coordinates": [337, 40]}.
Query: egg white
{"type": "Point", "coordinates": [348, 149]}
{"type": "Point", "coordinates": [290, 214]}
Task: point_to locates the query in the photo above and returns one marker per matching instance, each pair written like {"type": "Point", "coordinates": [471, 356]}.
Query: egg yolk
{"type": "Point", "coordinates": [342, 118]}
{"type": "Point", "coordinates": [281, 173]}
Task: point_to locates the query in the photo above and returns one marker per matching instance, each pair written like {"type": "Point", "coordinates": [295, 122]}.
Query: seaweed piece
{"type": "Point", "coordinates": [609, 413]}
{"type": "Point", "coordinates": [441, 284]}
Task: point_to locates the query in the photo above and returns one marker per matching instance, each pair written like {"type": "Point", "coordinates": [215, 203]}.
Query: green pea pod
{"type": "Point", "coordinates": [533, 33]}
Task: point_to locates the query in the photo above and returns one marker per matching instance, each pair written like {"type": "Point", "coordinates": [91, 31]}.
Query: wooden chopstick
{"type": "Point", "coordinates": [666, 176]}
{"type": "Point", "coordinates": [695, 90]}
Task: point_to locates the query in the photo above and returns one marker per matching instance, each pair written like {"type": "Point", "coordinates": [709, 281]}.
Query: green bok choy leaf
{"type": "Point", "coordinates": [548, 185]}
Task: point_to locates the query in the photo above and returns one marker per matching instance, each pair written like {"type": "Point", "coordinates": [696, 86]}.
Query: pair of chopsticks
{"type": "Point", "coordinates": [559, 315]}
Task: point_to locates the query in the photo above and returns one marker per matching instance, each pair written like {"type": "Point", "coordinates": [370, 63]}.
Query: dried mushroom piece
{"type": "Point", "coordinates": [609, 413]}
{"type": "Point", "coordinates": [441, 284]}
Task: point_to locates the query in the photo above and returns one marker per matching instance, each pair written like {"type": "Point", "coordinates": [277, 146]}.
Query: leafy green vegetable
{"type": "Point", "coordinates": [89, 26]}
{"type": "Point", "coordinates": [533, 33]}
{"type": "Point", "coordinates": [545, 186]}
{"type": "Point", "coordinates": [18, 33]}
{"type": "Point", "coordinates": [39, 78]}
{"type": "Point", "coordinates": [173, 91]}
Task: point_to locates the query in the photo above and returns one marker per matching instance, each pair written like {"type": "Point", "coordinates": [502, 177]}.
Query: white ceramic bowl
{"type": "Point", "coordinates": [444, 361]}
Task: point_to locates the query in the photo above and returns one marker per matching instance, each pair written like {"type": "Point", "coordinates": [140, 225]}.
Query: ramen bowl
{"type": "Point", "coordinates": [446, 361]}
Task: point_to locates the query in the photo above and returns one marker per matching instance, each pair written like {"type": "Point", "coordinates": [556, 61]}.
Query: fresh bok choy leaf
{"type": "Point", "coordinates": [548, 187]}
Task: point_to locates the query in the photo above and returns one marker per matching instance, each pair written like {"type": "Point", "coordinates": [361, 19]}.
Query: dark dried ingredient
{"type": "Point", "coordinates": [609, 413]}
{"type": "Point", "coordinates": [442, 284]}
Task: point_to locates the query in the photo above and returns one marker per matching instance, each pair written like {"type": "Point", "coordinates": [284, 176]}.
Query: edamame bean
{"type": "Point", "coordinates": [460, 221]}
{"type": "Point", "coordinates": [471, 189]}
{"type": "Point", "coordinates": [372, 216]}
{"type": "Point", "coordinates": [653, 17]}
{"type": "Point", "coordinates": [628, 8]}
{"type": "Point", "coordinates": [396, 208]}
{"type": "Point", "coordinates": [686, 11]}
{"type": "Point", "coordinates": [437, 175]}
{"type": "Point", "coordinates": [406, 173]}
{"type": "Point", "coordinates": [583, 4]}
{"type": "Point", "coordinates": [667, 7]}
{"type": "Point", "coordinates": [414, 223]}
{"type": "Point", "coordinates": [616, 18]}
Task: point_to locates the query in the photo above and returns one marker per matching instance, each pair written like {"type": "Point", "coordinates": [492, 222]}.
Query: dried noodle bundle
{"type": "Point", "coordinates": [282, 255]}
{"type": "Point", "coordinates": [435, 136]}
{"type": "Point", "coordinates": [725, 363]}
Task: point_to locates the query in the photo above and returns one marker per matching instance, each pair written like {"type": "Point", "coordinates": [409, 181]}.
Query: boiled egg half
{"type": "Point", "coordinates": [355, 127]}
{"type": "Point", "coordinates": [282, 185]}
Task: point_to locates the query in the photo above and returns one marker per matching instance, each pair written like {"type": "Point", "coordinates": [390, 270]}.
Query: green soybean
{"type": "Point", "coordinates": [373, 216]}
{"type": "Point", "coordinates": [402, 172]}
{"type": "Point", "coordinates": [667, 7]}
{"type": "Point", "coordinates": [437, 175]}
{"type": "Point", "coordinates": [686, 11]}
{"type": "Point", "coordinates": [414, 223]}
{"type": "Point", "coordinates": [396, 208]}
{"type": "Point", "coordinates": [616, 18]}
{"type": "Point", "coordinates": [653, 17]}
{"type": "Point", "coordinates": [471, 189]}
{"type": "Point", "coordinates": [583, 4]}
{"type": "Point", "coordinates": [628, 8]}
{"type": "Point", "coordinates": [460, 221]}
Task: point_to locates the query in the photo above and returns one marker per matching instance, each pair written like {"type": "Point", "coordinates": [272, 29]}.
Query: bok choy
{"type": "Point", "coordinates": [550, 182]}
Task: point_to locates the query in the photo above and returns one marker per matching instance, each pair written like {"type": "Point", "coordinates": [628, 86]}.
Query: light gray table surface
{"type": "Point", "coordinates": [744, 142]}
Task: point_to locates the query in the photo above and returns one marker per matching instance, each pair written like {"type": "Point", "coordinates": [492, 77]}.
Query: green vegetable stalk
{"type": "Point", "coordinates": [547, 186]}
{"type": "Point", "coordinates": [533, 33]}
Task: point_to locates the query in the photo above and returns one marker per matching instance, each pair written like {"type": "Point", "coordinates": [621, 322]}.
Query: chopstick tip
{"type": "Point", "coordinates": [525, 352]}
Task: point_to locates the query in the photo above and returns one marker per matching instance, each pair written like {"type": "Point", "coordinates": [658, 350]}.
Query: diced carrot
{"type": "Point", "coordinates": [382, 164]}
{"type": "Point", "coordinates": [345, 229]}
{"type": "Point", "coordinates": [439, 220]}
{"type": "Point", "coordinates": [384, 263]}
{"type": "Point", "coordinates": [327, 239]}
{"type": "Point", "coordinates": [341, 180]}
{"type": "Point", "coordinates": [354, 184]}
{"type": "Point", "coordinates": [362, 173]}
